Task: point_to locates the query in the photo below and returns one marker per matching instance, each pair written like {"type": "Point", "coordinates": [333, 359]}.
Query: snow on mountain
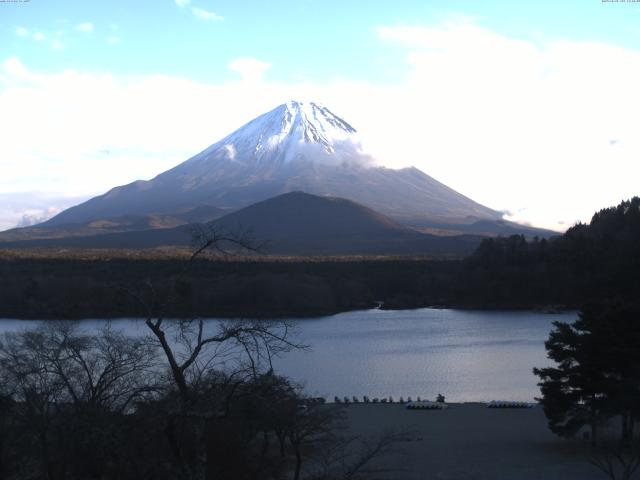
{"type": "Point", "coordinates": [294, 131]}
{"type": "Point", "coordinates": [297, 146]}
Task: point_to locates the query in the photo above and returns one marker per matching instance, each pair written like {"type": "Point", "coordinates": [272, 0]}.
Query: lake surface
{"type": "Point", "coordinates": [465, 355]}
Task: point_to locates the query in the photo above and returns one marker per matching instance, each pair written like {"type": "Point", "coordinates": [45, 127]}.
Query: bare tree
{"type": "Point", "coordinates": [237, 345]}
{"type": "Point", "coordinates": [355, 457]}
{"type": "Point", "coordinates": [61, 380]}
{"type": "Point", "coordinates": [35, 390]}
{"type": "Point", "coordinates": [107, 371]}
{"type": "Point", "coordinates": [616, 460]}
{"type": "Point", "coordinates": [190, 347]}
{"type": "Point", "coordinates": [194, 348]}
{"type": "Point", "coordinates": [314, 426]}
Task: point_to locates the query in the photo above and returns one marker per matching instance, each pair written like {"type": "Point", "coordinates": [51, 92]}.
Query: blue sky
{"type": "Point", "coordinates": [498, 99]}
{"type": "Point", "coordinates": [306, 39]}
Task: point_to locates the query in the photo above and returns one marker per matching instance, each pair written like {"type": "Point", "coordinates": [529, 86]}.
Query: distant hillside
{"type": "Point", "coordinates": [123, 223]}
{"type": "Point", "coordinates": [487, 228]}
{"type": "Point", "coordinates": [294, 223]}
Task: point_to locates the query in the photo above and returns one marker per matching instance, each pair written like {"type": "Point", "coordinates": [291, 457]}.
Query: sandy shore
{"type": "Point", "coordinates": [471, 441]}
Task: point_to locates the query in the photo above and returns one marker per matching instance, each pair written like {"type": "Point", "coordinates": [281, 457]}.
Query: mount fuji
{"type": "Point", "coordinates": [294, 147]}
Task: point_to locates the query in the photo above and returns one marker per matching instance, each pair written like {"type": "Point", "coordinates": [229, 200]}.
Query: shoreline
{"type": "Point", "coordinates": [545, 310]}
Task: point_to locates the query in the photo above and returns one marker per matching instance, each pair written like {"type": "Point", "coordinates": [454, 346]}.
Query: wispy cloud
{"type": "Point", "coordinates": [206, 14]}
{"type": "Point", "coordinates": [57, 44]}
{"type": "Point", "coordinates": [22, 209]}
{"type": "Point", "coordinates": [15, 68]}
{"type": "Point", "coordinates": [113, 40]}
{"type": "Point", "coordinates": [85, 27]}
{"type": "Point", "coordinates": [200, 13]}
{"type": "Point", "coordinates": [24, 33]}
{"type": "Point", "coordinates": [250, 69]}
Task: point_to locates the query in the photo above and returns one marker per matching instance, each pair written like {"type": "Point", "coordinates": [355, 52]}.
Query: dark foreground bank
{"type": "Point", "coordinates": [471, 441]}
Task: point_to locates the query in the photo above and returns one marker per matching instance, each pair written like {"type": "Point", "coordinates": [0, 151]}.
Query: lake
{"type": "Point", "coordinates": [466, 355]}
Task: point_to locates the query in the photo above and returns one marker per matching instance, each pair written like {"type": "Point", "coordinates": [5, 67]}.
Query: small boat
{"type": "Point", "coordinates": [426, 405]}
{"type": "Point", "coordinates": [508, 404]}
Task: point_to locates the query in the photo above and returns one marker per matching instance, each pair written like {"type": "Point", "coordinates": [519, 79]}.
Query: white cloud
{"type": "Point", "coordinates": [24, 33]}
{"type": "Point", "coordinates": [113, 40]}
{"type": "Point", "coordinates": [23, 209]}
{"type": "Point", "coordinates": [250, 69]}
{"type": "Point", "coordinates": [520, 125]}
{"type": "Point", "coordinates": [32, 216]}
{"type": "Point", "coordinates": [182, 3]}
{"type": "Point", "coordinates": [206, 14]}
{"type": "Point", "coordinates": [15, 69]}
{"type": "Point", "coordinates": [548, 131]}
{"type": "Point", "coordinates": [85, 27]}
{"type": "Point", "coordinates": [231, 151]}
{"type": "Point", "coordinates": [56, 44]}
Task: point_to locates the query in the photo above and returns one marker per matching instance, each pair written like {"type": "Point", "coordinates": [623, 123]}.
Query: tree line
{"type": "Point", "coordinates": [59, 285]}
{"type": "Point", "coordinates": [599, 260]}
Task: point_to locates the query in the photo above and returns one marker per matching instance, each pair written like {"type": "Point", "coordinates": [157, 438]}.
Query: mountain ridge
{"type": "Point", "coordinates": [296, 146]}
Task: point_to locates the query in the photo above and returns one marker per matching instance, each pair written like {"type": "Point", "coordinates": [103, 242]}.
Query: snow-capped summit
{"type": "Point", "coordinates": [312, 123]}
{"type": "Point", "coordinates": [292, 131]}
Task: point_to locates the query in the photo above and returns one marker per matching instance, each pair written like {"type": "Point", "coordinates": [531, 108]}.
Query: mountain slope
{"type": "Point", "coordinates": [123, 223]}
{"type": "Point", "coordinates": [294, 224]}
{"type": "Point", "coordinates": [295, 147]}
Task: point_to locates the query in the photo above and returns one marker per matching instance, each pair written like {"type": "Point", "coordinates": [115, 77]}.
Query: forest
{"type": "Point", "coordinates": [599, 259]}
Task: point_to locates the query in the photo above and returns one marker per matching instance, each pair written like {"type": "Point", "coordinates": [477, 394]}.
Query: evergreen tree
{"type": "Point", "coordinates": [598, 371]}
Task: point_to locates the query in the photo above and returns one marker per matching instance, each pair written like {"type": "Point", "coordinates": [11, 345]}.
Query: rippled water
{"type": "Point", "coordinates": [465, 355]}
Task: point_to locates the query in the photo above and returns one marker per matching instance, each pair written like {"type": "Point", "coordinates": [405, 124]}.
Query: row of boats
{"type": "Point", "coordinates": [427, 405]}
{"type": "Point", "coordinates": [366, 399]}
{"type": "Point", "coordinates": [420, 404]}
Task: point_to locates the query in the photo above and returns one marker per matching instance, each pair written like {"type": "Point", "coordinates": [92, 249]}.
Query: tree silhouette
{"type": "Point", "coordinates": [597, 375]}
